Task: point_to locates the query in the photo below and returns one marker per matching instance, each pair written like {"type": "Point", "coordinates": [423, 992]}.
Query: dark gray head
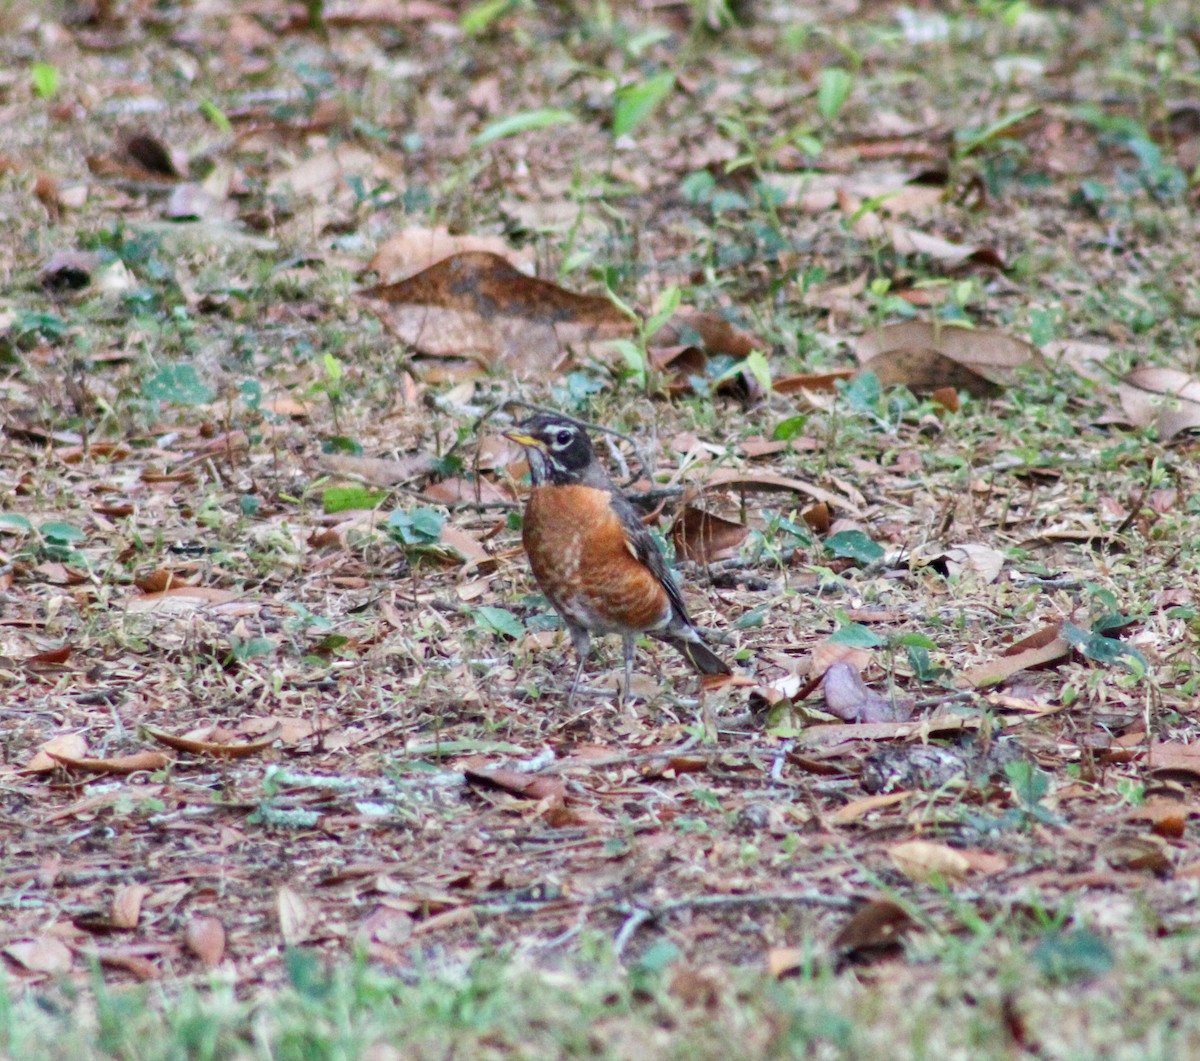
{"type": "Point", "coordinates": [558, 448]}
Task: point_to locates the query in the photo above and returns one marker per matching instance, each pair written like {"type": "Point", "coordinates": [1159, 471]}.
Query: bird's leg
{"type": "Point", "coordinates": [582, 641]}
{"type": "Point", "coordinates": [629, 641]}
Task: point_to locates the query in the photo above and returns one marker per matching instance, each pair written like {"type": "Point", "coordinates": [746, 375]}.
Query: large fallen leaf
{"type": "Point", "coordinates": [703, 537]}
{"type": "Point", "coordinates": [923, 860]}
{"type": "Point", "coordinates": [1038, 649]}
{"type": "Point", "coordinates": [925, 356]}
{"type": "Point", "coordinates": [1162, 397]}
{"type": "Point", "coordinates": [477, 306]}
{"type": "Point", "coordinates": [409, 252]}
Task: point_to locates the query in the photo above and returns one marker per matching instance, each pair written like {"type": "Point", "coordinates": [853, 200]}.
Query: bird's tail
{"type": "Point", "coordinates": [699, 655]}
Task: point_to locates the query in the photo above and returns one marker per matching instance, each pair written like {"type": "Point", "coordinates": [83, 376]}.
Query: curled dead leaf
{"type": "Point", "coordinates": [703, 537]}
{"type": "Point", "coordinates": [517, 783]}
{"type": "Point", "coordinates": [1162, 397]}
{"type": "Point", "coordinates": [127, 905]}
{"type": "Point", "coordinates": [205, 938]}
{"type": "Point", "coordinates": [847, 697]}
{"type": "Point", "coordinates": [121, 764]}
{"type": "Point", "coordinates": [217, 749]}
{"type": "Point", "coordinates": [72, 745]}
{"type": "Point", "coordinates": [1039, 649]}
{"type": "Point", "coordinates": [811, 381]}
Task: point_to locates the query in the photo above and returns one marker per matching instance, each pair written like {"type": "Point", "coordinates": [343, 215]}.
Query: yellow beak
{"type": "Point", "coordinates": [524, 440]}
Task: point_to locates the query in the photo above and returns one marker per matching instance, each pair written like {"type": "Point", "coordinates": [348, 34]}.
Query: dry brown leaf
{"type": "Point", "coordinates": [205, 938]}
{"type": "Point", "coordinates": [703, 537]}
{"type": "Point", "coordinates": [527, 786]}
{"type": "Point", "coordinates": [712, 332]}
{"type": "Point", "coordinates": [72, 745]}
{"type": "Point", "coordinates": [415, 249]}
{"type": "Point", "coordinates": [217, 749]}
{"type": "Point", "coordinates": [296, 915]}
{"type": "Point", "coordinates": [847, 697]}
{"type": "Point", "coordinates": [42, 955]}
{"type": "Point", "coordinates": [1162, 397]}
{"type": "Point", "coordinates": [827, 735]}
{"type": "Point", "coordinates": [135, 964]}
{"type": "Point", "coordinates": [1039, 649]}
{"type": "Point", "coordinates": [456, 490]}
{"type": "Point", "coordinates": [477, 305]}
{"type": "Point", "coordinates": [377, 471]}
{"type": "Point", "coordinates": [465, 544]}
{"type": "Point", "coordinates": [1175, 757]}
{"type": "Point", "coordinates": [856, 809]}
{"type": "Point", "coordinates": [752, 481]}
{"type": "Point", "coordinates": [877, 927]}
{"type": "Point", "coordinates": [826, 653]}
{"type": "Point", "coordinates": [121, 764]}
{"type": "Point", "coordinates": [784, 960]}
{"type": "Point", "coordinates": [53, 657]}
{"type": "Point", "coordinates": [127, 905]}
{"type": "Point", "coordinates": [925, 356]}
{"type": "Point", "coordinates": [924, 860]}
{"type": "Point", "coordinates": [825, 382]}
{"type": "Point", "coordinates": [980, 560]}
{"type": "Point", "coordinates": [160, 580]}
{"type": "Point", "coordinates": [907, 240]}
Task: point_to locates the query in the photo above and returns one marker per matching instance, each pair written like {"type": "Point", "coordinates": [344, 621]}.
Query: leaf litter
{"type": "Point", "coordinates": [374, 748]}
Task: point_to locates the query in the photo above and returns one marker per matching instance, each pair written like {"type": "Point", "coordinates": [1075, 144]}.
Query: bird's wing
{"type": "Point", "coordinates": [643, 546]}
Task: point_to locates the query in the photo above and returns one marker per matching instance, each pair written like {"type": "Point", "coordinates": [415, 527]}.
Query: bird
{"type": "Point", "coordinates": [598, 566]}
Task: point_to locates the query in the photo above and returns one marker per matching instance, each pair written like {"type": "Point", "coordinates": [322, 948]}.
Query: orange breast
{"type": "Point", "coordinates": [577, 549]}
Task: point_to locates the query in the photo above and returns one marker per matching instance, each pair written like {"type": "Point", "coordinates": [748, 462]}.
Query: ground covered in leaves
{"type": "Point", "coordinates": [892, 312]}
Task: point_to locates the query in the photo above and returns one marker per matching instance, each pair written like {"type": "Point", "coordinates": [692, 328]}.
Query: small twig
{"type": "Point", "coordinates": [780, 759]}
{"type": "Point", "coordinates": [633, 922]}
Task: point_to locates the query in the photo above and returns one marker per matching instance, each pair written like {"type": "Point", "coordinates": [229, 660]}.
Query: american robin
{"type": "Point", "coordinates": [598, 566]}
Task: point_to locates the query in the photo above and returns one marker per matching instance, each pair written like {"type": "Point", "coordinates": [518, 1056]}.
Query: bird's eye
{"type": "Point", "coordinates": [563, 439]}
